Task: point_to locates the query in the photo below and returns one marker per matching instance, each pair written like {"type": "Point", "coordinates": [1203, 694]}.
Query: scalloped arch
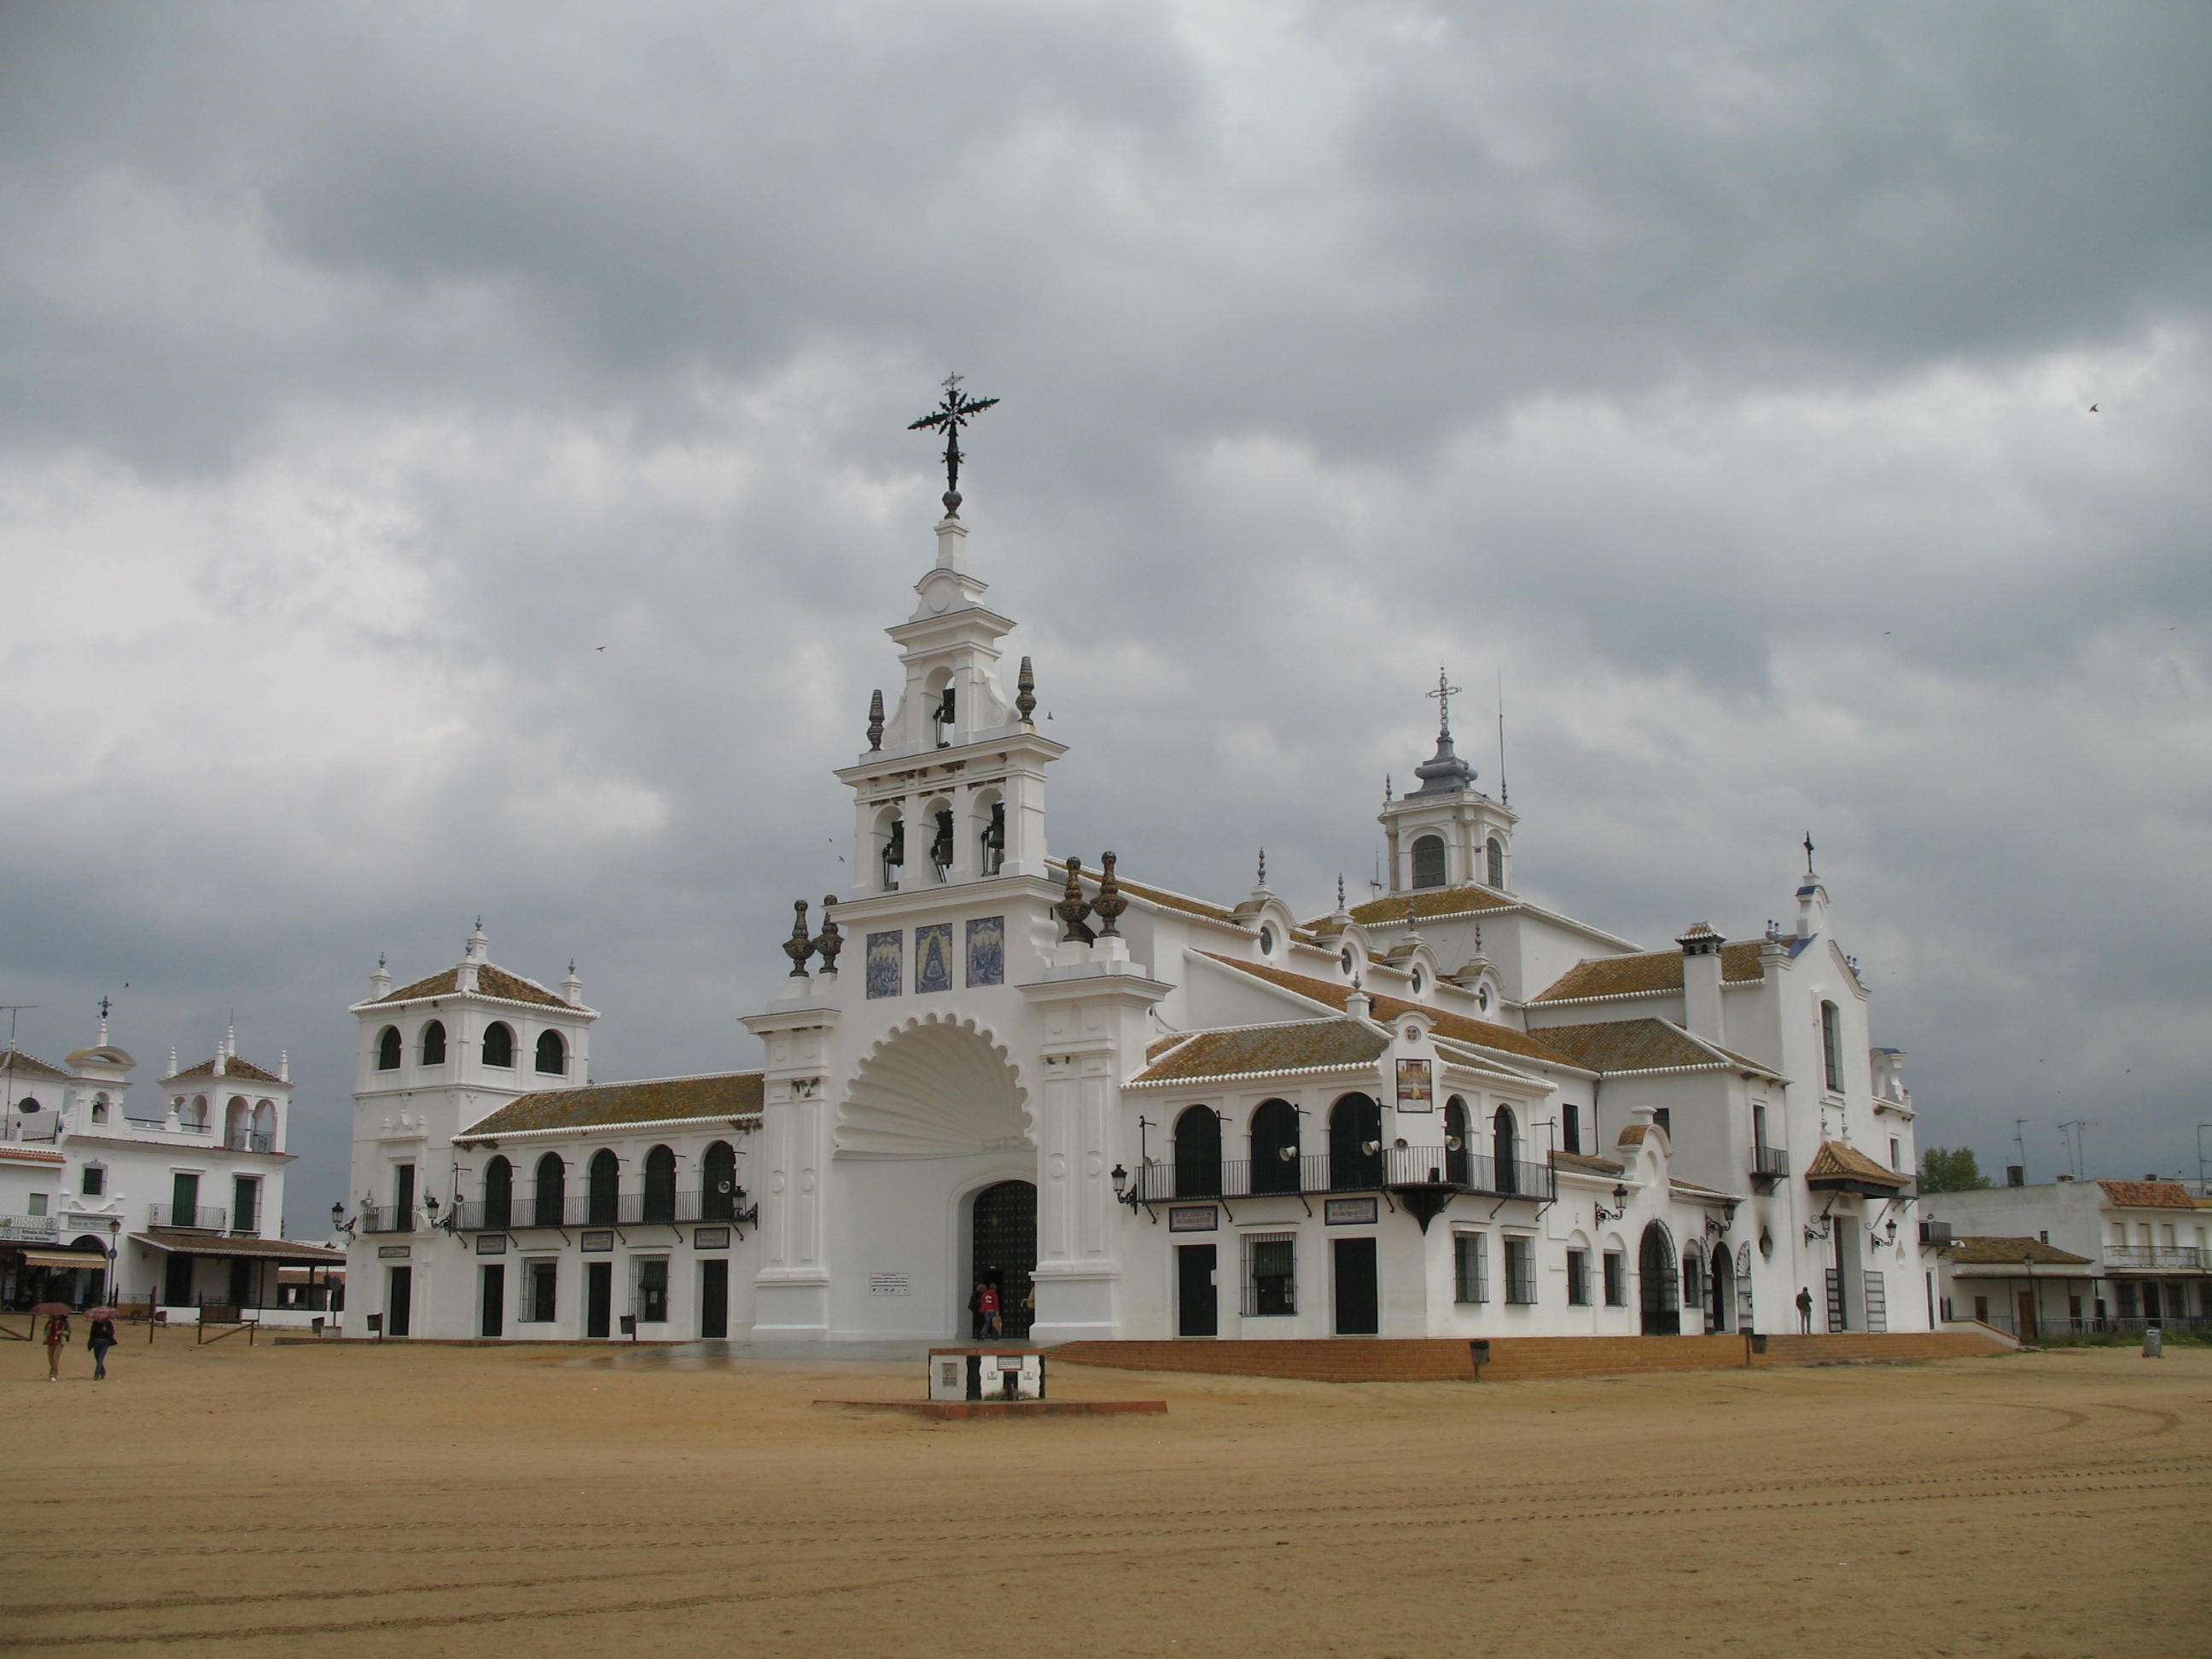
{"type": "Point", "coordinates": [935, 1087]}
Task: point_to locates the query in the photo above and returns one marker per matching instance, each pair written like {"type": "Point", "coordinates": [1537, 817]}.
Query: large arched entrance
{"type": "Point", "coordinates": [1720, 1316]}
{"type": "Point", "coordinates": [1660, 1292]}
{"type": "Point", "coordinates": [1004, 1248]}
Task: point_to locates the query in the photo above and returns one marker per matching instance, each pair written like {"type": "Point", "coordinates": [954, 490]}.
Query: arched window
{"type": "Point", "coordinates": [1458, 1161]}
{"type": "Point", "coordinates": [1198, 1153]}
{"type": "Point", "coordinates": [1494, 852]}
{"type": "Point", "coordinates": [602, 1200]}
{"type": "Point", "coordinates": [1831, 1044]}
{"type": "Point", "coordinates": [433, 1043]}
{"type": "Point", "coordinates": [1720, 1294]}
{"type": "Point", "coordinates": [233, 1124]}
{"type": "Point", "coordinates": [1428, 861]}
{"type": "Point", "coordinates": [1355, 1143]}
{"type": "Point", "coordinates": [940, 841]}
{"type": "Point", "coordinates": [659, 1185]}
{"type": "Point", "coordinates": [1275, 1148]}
{"type": "Point", "coordinates": [192, 1116]}
{"type": "Point", "coordinates": [992, 852]}
{"type": "Point", "coordinates": [552, 1190]}
{"type": "Point", "coordinates": [552, 1054]}
{"type": "Point", "coordinates": [499, 1194]}
{"type": "Point", "coordinates": [718, 1183]}
{"type": "Point", "coordinates": [1694, 1277]}
{"type": "Point", "coordinates": [387, 1049]}
{"type": "Point", "coordinates": [1658, 1294]}
{"type": "Point", "coordinates": [893, 830]}
{"type": "Point", "coordinates": [1505, 1151]}
{"type": "Point", "coordinates": [264, 1125]}
{"type": "Point", "coordinates": [499, 1044]}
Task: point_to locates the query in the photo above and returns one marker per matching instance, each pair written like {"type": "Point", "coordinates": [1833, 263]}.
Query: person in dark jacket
{"type": "Point", "coordinates": [976, 1313]}
{"type": "Point", "coordinates": [100, 1338]}
{"type": "Point", "coordinates": [1805, 1310]}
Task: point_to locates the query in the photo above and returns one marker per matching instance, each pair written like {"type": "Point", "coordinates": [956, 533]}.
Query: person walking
{"type": "Point", "coordinates": [976, 1313]}
{"type": "Point", "coordinates": [99, 1337]}
{"type": "Point", "coordinates": [992, 1325]}
{"type": "Point", "coordinates": [1804, 1310]}
{"type": "Point", "coordinates": [58, 1333]}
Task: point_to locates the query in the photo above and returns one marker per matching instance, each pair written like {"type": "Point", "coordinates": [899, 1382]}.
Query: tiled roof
{"type": "Point", "coordinates": [27, 1065]}
{"type": "Point", "coordinates": [231, 1066]}
{"type": "Point", "coordinates": [490, 982]}
{"type": "Point", "coordinates": [1481, 1033]}
{"type": "Point", "coordinates": [1637, 1045]}
{"type": "Point", "coordinates": [1428, 902]}
{"type": "Point", "coordinates": [1586, 1163]}
{"type": "Point", "coordinates": [20, 1154]}
{"type": "Point", "coordinates": [1159, 1045]}
{"type": "Point", "coordinates": [1987, 1251]}
{"type": "Point", "coordinates": [1650, 970]}
{"type": "Point", "coordinates": [2148, 1194]}
{"type": "Point", "coordinates": [1286, 1048]}
{"type": "Point", "coordinates": [726, 1094]}
{"type": "Point", "coordinates": [1837, 1162]}
{"type": "Point", "coordinates": [1150, 894]}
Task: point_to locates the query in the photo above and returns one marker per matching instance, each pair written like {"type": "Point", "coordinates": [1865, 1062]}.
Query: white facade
{"type": "Point", "coordinates": [1446, 1112]}
{"type": "Point", "coordinates": [183, 1191]}
{"type": "Point", "coordinates": [2144, 1250]}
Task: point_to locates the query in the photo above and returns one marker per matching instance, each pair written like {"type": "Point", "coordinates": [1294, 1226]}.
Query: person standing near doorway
{"type": "Point", "coordinates": [57, 1333]}
{"type": "Point", "coordinates": [993, 1326]}
{"type": "Point", "coordinates": [976, 1313]}
{"type": "Point", "coordinates": [1804, 1310]}
{"type": "Point", "coordinates": [99, 1337]}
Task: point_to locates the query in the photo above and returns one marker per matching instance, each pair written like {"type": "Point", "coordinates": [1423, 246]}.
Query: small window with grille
{"type": "Point", "coordinates": [1616, 1279]}
{"type": "Point", "coordinates": [1521, 1271]}
{"type": "Point", "coordinates": [1470, 1268]}
{"type": "Point", "coordinates": [1578, 1279]}
{"type": "Point", "coordinates": [1271, 1287]}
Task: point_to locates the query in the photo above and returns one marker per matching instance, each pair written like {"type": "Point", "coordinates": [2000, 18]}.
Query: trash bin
{"type": "Point", "coordinates": [2153, 1342]}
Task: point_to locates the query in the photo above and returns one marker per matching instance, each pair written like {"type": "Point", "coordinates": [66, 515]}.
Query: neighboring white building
{"type": "Point", "coordinates": [1449, 1111]}
{"type": "Point", "coordinates": [2140, 1246]}
{"type": "Point", "coordinates": [178, 1201]}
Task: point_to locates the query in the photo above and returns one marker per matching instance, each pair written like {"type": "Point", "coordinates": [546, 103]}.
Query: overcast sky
{"type": "Point", "coordinates": [1722, 378]}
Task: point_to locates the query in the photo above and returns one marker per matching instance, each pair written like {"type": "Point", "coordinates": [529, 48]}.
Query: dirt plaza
{"type": "Point", "coordinates": [423, 1500]}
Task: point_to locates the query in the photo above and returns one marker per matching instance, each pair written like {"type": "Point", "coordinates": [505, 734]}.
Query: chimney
{"type": "Point", "coordinates": [2015, 1175]}
{"type": "Point", "coordinates": [1701, 983]}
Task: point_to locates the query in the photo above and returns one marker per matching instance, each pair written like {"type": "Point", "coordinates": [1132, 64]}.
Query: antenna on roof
{"type": "Point", "coordinates": [1504, 795]}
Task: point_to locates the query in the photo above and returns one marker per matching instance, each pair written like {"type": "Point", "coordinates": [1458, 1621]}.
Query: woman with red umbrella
{"type": "Point", "coordinates": [56, 1314]}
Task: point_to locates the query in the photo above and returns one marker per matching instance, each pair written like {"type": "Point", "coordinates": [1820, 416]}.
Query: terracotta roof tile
{"type": "Point", "coordinates": [729, 1094]}
{"type": "Point", "coordinates": [1631, 1045]}
{"type": "Point", "coordinates": [1429, 903]}
{"type": "Point", "coordinates": [22, 1154]}
{"type": "Point", "coordinates": [1985, 1250]}
{"type": "Point", "coordinates": [29, 1066]}
{"type": "Point", "coordinates": [2148, 1194]}
{"type": "Point", "coordinates": [1837, 1162]}
{"type": "Point", "coordinates": [490, 982]}
{"type": "Point", "coordinates": [1481, 1033]}
{"type": "Point", "coordinates": [1286, 1048]}
{"type": "Point", "coordinates": [231, 1066]}
{"type": "Point", "coordinates": [1650, 970]}
{"type": "Point", "coordinates": [1586, 1163]}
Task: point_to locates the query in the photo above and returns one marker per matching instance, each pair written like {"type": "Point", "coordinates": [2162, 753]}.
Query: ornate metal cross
{"type": "Point", "coordinates": [957, 411]}
{"type": "Point", "coordinates": [1443, 694]}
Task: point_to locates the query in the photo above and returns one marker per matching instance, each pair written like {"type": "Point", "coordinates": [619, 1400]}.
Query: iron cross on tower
{"type": "Point", "coordinates": [958, 410]}
{"type": "Point", "coordinates": [1443, 694]}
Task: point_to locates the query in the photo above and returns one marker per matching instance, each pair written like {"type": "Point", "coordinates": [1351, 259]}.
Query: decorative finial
{"type": "Point", "coordinates": [1026, 702]}
{"type": "Point", "coordinates": [800, 945]}
{"type": "Point", "coordinates": [954, 412]}
{"type": "Point", "coordinates": [876, 721]}
{"type": "Point", "coordinates": [1109, 903]}
{"type": "Point", "coordinates": [379, 961]}
{"type": "Point", "coordinates": [1413, 911]}
{"type": "Point", "coordinates": [1072, 910]}
{"type": "Point", "coordinates": [1263, 866]}
{"type": "Point", "coordinates": [1386, 789]}
{"type": "Point", "coordinates": [828, 941]}
{"type": "Point", "coordinates": [572, 964]}
{"type": "Point", "coordinates": [1340, 889]}
{"type": "Point", "coordinates": [1443, 694]}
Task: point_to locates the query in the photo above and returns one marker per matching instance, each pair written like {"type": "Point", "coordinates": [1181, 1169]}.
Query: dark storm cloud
{"type": "Point", "coordinates": [1721, 377]}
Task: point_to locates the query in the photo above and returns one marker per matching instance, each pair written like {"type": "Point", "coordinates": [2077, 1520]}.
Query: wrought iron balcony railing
{"type": "Point", "coordinates": [2152, 1255]}
{"type": "Point", "coordinates": [1310, 1173]}
{"type": "Point", "coordinates": [201, 1217]}
{"type": "Point", "coordinates": [631, 1208]}
{"type": "Point", "coordinates": [1770, 1163]}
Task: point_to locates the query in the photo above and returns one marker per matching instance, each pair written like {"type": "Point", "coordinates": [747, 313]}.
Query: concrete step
{"type": "Point", "coordinates": [1396, 1359]}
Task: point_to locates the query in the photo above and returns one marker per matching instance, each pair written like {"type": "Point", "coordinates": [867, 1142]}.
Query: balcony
{"type": "Point", "coordinates": [199, 1218]}
{"type": "Point", "coordinates": [386, 1218]}
{"type": "Point", "coordinates": [1312, 1174]}
{"type": "Point", "coordinates": [30, 1229]}
{"type": "Point", "coordinates": [251, 1142]}
{"type": "Point", "coordinates": [2153, 1258]}
{"type": "Point", "coordinates": [633, 1208]}
{"type": "Point", "coordinates": [1768, 1165]}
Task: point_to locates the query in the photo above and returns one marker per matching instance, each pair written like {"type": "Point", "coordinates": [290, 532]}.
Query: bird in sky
{"type": "Point", "coordinates": [598, 648]}
{"type": "Point", "coordinates": [2092, 408]}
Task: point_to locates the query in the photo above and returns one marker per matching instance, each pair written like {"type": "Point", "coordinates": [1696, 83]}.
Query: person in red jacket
{"type": "Point", "coordinates": [992, 1325]}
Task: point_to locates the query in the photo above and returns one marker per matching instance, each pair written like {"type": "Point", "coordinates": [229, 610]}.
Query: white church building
{"type": "Point", "coordinates": [1446, 1112]}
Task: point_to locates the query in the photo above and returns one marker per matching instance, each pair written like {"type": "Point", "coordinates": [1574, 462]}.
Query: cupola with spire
{"type": "Point", "coordinates": [1447, 833]}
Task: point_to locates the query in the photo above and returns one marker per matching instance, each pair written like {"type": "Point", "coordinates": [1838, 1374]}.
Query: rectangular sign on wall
{"type": "Point", "coordinates": [491, 1243]}
{"type": "Point", "coordinates": [598, 1243]}
{"type": "Point", "coordinates": [890, 1285]}
{"type": "Point", "coordinates": [1348, 1211]}
{"type": "Point", "coordinates": [1415, 1092]}
{"type": "Point", "coordinates": [393, 1252]}
{"type": "Point", "coordinates": [710, 1238]}
{"type": "Point", "coordinates": [1194, 1217]}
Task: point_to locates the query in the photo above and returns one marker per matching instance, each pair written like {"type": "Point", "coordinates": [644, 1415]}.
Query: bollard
{"type": "Point", "coordinates": [2153, 1342]}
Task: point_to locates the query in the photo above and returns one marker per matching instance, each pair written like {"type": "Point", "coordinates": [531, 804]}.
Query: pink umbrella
{"type": "Point", "coordinates": [46, 1309]}
{"type": "Point", "coordinates": [100, 1313]}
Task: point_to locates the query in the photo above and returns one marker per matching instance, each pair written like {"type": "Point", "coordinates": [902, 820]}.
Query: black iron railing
{"type": "Point", "coordinates": [386, 1218]}
{"type": "Point", "coordinates": [1303, 1174]}
{"type": "Point", "coordinates": [1770, 1162]}
{"type": "Point", "coordinates": [2152, 1256]}
{"type": "Point", "coordinates": [634, 1208]}
{"type": "Point", "coordinates": [206, 1217]}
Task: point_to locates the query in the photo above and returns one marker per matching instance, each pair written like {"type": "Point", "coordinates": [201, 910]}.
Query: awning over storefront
{"type": "Point", "coordinates": [293, 1251]}
{"type": "Point", "coordinates": [65, 1259]}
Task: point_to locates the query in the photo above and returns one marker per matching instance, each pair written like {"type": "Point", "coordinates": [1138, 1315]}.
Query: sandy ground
{"type": "Point", "coordinates": [429, 1501]}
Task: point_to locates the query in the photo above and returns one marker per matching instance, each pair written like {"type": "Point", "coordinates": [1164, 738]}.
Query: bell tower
{"type": "Point", "coordinates": [1447, 833]}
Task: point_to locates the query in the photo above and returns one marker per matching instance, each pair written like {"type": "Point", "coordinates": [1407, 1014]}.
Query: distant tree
{"type": "Point", "coordinates": [1942, 1170]}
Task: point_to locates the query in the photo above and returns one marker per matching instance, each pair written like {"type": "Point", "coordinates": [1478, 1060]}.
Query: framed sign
{"type": "Point", "coordinates": [1415, 1093]}
{"type": "Point", "coordinates": [1348, 1211]}
{"type": "Point", "coordinates": [710, 1238]}
{"type": "Point", "coordinates": [887, 1283]}
{"type": "Point", "coordinates": [393, 1252]}
{"type": "Point", "coordinates": [491, 1243]}
{"type": "Point", "coordinates": [1194, 1217]}
{"type": "Point", "coordinates": [599, 1244]}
